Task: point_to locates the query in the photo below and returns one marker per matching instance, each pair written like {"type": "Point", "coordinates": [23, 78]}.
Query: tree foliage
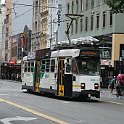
{"type": "Point", "coordinates": [117, 6]}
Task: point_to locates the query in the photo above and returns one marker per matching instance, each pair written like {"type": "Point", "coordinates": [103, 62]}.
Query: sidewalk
{"type": "Point", "coordinates": [112, 98]}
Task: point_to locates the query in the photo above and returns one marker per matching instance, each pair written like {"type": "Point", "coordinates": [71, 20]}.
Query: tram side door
{"type": "Point", "coordinates": [64, 78]}
{"type": "Point", "coordinates": [60, 77]}
{"type": "Point", "coordinates": [37, 76]}
{"type": "Point", "coordinates": [68, 78]}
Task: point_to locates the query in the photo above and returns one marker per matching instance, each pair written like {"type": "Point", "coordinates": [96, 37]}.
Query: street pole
{"type": "Point", "coordinates": [51, 32]}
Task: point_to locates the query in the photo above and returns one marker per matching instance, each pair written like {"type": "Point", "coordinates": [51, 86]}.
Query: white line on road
{"type": "Point", "coordinates": [7, 120]}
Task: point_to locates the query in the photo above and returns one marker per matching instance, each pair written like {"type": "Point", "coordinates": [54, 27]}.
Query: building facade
{"type": "Point", "coordinates": [44, 23]}
{"type": "Point", "coordinates": [2, 42]}
{"type": "Point", "coordinates": [36, 22]}
{"type": "Point", "coordinates": [8, 23]}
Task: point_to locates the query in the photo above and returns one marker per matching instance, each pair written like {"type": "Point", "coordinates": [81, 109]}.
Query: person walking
{"type": "Point", "coordinates": [120, 85]}
{"type": "Point", "coordinates": [111, 82]}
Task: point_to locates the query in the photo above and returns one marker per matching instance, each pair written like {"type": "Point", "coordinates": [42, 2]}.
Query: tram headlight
{"type": "Point", "coordinates": [82, 85]}
{"type": "Point", "coordinates": [96, 86]}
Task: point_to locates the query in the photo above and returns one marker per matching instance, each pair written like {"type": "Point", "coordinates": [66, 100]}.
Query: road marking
{"type": "Point", "coordinates": [7, 120]}
{"type": "Point", "coordinates": [4, 94]}
{"type": "Point", "coordinates": [34, 112]}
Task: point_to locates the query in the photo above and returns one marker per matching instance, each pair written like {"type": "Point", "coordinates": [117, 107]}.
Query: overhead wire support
{"type": "Point", "coordinates": [72, 17]}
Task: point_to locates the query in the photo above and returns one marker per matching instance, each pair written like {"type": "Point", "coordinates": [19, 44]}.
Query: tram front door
{"type": "Point", "coordinates": [64, 80]}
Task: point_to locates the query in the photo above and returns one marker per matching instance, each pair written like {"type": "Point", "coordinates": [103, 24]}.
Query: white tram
{"type": "Point", "coordinates": [66, 72]}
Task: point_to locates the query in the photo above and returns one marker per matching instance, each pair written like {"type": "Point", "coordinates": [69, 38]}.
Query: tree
{"type": "Point", "coordinates": [117, 6]}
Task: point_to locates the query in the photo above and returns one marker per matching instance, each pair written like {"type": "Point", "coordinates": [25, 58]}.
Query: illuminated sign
{"type": "Point", "coordinates": [12, 62]}
{"type": "Point", "coordinates": [89, 53]}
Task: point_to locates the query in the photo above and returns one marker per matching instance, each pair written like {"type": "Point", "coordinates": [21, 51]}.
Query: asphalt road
{"type": "Point", "coordinates": [45, 110]}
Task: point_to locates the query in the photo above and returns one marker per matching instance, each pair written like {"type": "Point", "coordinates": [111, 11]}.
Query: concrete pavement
{"type": "Point", "coordinates": [106, 96]}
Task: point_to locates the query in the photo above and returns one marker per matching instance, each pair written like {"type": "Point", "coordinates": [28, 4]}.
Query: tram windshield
{"type": "Point", "coordinates": [88, 66]}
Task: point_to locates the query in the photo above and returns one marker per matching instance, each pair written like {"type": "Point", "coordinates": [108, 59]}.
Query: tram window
{"type": "Point", "coordinates": [32, 66]}
{"type": "Point", "coordinates": [25, 67]}
{"type": "Point", "coordinates": [43, 61]}
{"type": "Point", "coordinates": [47, 65]}
{"type": "Point", "coordinates": [52, 65]}
{"type": "Point", "coordinates": [74, 67]}
{"type": "Point", "coordinates": [68, 66]}
{"type": "Point", "coordinates": [43, 65]}
{"type": "Point", "coordinates": [28, 66]}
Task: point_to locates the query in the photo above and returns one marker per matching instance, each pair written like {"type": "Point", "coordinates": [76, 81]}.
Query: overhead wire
{"type": "Point", "coordinates": [29, 5]}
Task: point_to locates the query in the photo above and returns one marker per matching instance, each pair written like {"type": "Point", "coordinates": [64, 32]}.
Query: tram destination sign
{"type": "Point", "coordinates": [89, 53]}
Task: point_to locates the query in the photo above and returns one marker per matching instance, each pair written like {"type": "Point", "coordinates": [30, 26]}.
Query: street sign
{"type": "Point", "coordinates": [17, 118]}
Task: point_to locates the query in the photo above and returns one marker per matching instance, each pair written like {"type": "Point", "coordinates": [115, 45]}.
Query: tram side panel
{"type": "Point", "coordinates": [48, 76]}
{"type": "Point", "coordinates": [28, 76]}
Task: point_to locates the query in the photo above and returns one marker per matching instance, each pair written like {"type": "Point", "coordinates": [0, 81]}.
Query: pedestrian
{"type": "Point", "coordinates": [120, 84]}
{"type": "Point", "coordinates": [111, 83]}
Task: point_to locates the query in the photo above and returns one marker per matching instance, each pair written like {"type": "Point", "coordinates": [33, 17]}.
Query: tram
{"type": "Point", "coordinates": [66, 72]}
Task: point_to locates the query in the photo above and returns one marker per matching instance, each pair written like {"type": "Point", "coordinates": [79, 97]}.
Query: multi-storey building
{"type": "Point", "coordinates": [53, 25]}
{"type": "Point", "coordinates": [44, 23]}
{"type": "Point", "coordinates": [26, 41]}
{"type": "Point", "coordinates": [98, 21]}
{"type": "Point", "coordinates": [2, 35]}
{"type": "Point", "coordinates": [8, 29]}
{"type": "Point", "coordinates": [36, 22]}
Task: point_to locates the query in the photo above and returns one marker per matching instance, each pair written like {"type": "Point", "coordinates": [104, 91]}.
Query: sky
{"type": "Point", "coordinates": [21, 16]}
{"type": "Point", "coordinates": [2, 1]}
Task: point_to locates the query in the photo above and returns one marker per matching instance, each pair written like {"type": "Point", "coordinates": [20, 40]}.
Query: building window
{"type": "Point", "coordinates": [104, 19]}
{"type": "Point", "coordinates": [87, 1]}
{"type": "Point", "coordinates": [111, 18]}
{"type": "Point", "coordinates": [92, 20]}
{"type": "Point", "coordinates": [103, 1]}
{"type": "Point", "coordinates": [7, 18]}
{"type": "Point", "coordinates": [97, 21]}
{"type": "Point", "coordinates": [36, 6]}
{"type": "Point", "coordinates": [86, 24]}
{"type": "Point", "coordinates": [35, 25]}
{"type": "Point", "coordinates": [92, 3]}
{"type": "Point", "coordinates": [81, 25]}
{"type": "Point", "coordinates": [72, 28]}
{"type": "Point", "coordinates": [76, 26]}
{"type": "Point", "coordinates": [82, 5]}
{"type": "Point", "coordinates": [77, 6]}
{"type": "Point", "coordinates": [68, 8]}
{"type": "Point", "coordinates": [98, 3]}
{"type": "Point", "coordinates": [72, 7]}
